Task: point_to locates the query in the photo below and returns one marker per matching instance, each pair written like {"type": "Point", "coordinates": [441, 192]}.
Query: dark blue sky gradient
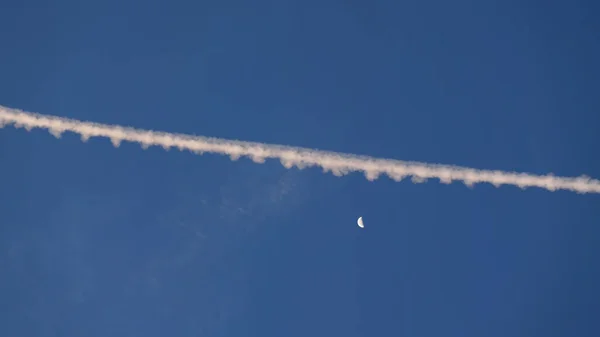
{"type": "Point", "coordinates": [98, 241]}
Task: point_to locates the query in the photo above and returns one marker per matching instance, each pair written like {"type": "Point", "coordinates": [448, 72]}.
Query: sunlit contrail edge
{"type": "Point", "coordinates": [337, 163]}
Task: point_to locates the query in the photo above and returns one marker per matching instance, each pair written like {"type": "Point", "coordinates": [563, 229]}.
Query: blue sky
{"type": "Point", "coordinates": [99, 241]}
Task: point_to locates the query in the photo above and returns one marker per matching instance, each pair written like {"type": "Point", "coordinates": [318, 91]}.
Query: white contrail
{"type": "Point", "coordinates": [338, 163]}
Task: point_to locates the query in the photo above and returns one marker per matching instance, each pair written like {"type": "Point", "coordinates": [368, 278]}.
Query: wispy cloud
{"type": "Point", "coordinates": [337, 163]}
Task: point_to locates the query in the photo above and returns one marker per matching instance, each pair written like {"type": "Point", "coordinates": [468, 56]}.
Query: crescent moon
{"type": "Point", "coordinates": [360, 222]}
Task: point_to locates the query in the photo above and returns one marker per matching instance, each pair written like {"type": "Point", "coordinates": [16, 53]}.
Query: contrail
{"type": "Point", "coordinates": [337, 163]}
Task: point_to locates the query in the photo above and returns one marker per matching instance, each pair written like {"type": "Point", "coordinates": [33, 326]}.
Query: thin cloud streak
{"type": "Point", "coordinates": [338, 163]}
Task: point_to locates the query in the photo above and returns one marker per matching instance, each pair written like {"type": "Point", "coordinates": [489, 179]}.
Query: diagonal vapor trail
{"type": "Point", "coordinates": [337, 163]}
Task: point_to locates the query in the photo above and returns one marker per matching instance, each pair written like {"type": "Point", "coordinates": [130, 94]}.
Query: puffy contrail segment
{"type": "Point", "coordinates": [337, 163]}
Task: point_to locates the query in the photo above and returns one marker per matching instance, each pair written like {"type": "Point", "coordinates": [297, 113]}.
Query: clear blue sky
{"type": "Point", "coordinates": [98, 241]}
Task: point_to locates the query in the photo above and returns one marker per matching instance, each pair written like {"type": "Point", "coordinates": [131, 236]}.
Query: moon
{"type": "Point", "coordinates": [360, 223]}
